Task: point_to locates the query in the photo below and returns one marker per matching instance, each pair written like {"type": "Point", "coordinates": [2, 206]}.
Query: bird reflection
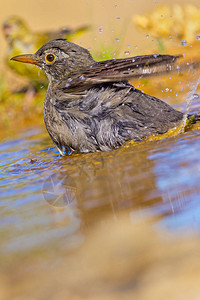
{"type": "Point", "coordinates": [103, 182]}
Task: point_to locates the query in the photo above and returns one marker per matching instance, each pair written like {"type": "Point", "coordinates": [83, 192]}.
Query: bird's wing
{"type": "Point", "coordinates": [119, 70]}
{"type": "Point", "coordinates": [132, 67]}
{"type": "Point", "coordinates": [117, 112]}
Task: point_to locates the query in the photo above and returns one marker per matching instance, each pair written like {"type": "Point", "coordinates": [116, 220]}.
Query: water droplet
{"type": "Point", "coordinates": [118, 18]}
{"type": "Point", "coordinates": [100, 30]}
{"type": "Point", "coordinates": [117, 40]}
{"type": "Point", "coordinates": [183, 43]}
{"type": "Point", "coordinates": [198, 37]}
{"type": "Point", "coordinates": [147, 36]}
{"type": "Point", "coordinates": [156, 55]}
{"type": "Point", "coordinates": [133, 60]}
{"type": "Point", "coordinates": [196, 96]}
{"type": "Point", "coordinates": [115, 6]}
{"type": "Point", "coordinates": [167, 90]}
{"type": "Point", "coordinates": [136, 47]}
{"type": "Point", "coordinates": [67, 85]}
{"type": "Point", "coordinates": [127, 52]}
{"type": "Point", "coordinates": [176, 94]}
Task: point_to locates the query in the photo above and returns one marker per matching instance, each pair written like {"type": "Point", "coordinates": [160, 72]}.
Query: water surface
{"type": "Point", "coordinates": [49, 204]}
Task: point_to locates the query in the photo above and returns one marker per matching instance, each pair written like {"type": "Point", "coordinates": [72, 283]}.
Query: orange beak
{"type": "Point", "coordinates": [26, 58]}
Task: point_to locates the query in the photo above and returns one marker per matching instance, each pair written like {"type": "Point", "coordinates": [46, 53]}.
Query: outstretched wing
{"type": "Point", "coordinates": [133, 67]}
{"type": "Point", "coordinates": [119, 70]}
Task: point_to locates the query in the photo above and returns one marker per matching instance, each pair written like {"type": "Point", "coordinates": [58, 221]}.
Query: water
{"type": "Point", "coordinates": [50, 204]}
{"type": "Point", "coordinates": [156, 178]}
{"type": "Point", "coordinates": [191, 96]}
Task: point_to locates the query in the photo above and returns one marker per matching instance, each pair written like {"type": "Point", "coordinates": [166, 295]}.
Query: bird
{"type": "Point", "coordinates": [91, 106]}
{"type": "Point", "coordinates": [21, 38]}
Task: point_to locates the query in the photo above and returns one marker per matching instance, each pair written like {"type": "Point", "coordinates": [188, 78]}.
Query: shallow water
{"type": "Point", "coordinates": [52, 205]}
{"type": "Point", "coordinates": [51, 201]}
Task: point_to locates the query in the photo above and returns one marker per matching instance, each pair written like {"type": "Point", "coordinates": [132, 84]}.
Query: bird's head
{"type": "Point", "coordinates": [58, 58]}
{"type": "Point", "coordinates": [14, 28]}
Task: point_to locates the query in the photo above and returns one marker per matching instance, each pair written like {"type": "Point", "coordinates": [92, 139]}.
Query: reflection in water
{"type": "Point", "coordinates": [111, 182]}
{"type": "Point", "coordinates": [137, 178]}
{"type": "Point", "coordinates": [50, 204]}
{"type": "Point", "coordinates": [46, 198]}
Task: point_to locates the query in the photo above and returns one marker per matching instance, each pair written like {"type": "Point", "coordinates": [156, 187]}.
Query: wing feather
{"type": "Point", "coordinates": [119, 70]}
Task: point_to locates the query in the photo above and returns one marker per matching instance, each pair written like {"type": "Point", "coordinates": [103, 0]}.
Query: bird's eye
{"type": "Point", "coordinates": [50, 58]}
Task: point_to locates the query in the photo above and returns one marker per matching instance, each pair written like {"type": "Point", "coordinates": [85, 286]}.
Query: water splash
{"type": "Point", "coordinates": [192, 95]}
{"type": "Point", "coordinates": [183, 43]}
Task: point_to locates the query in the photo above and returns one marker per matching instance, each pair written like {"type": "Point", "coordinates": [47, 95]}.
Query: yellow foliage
{"type": "Point", "coordinates": [182, 22]}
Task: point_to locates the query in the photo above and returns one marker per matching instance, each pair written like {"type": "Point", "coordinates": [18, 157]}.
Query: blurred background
{"type": "Point", "coordinates": [109, 20]}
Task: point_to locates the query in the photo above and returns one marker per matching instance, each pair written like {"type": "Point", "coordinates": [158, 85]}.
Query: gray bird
{"type": "Point", "coordinates": [90, 106]}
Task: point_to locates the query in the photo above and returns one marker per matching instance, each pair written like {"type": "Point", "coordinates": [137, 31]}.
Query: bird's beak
{"type": "Point", "coordinates": [26, 58]}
